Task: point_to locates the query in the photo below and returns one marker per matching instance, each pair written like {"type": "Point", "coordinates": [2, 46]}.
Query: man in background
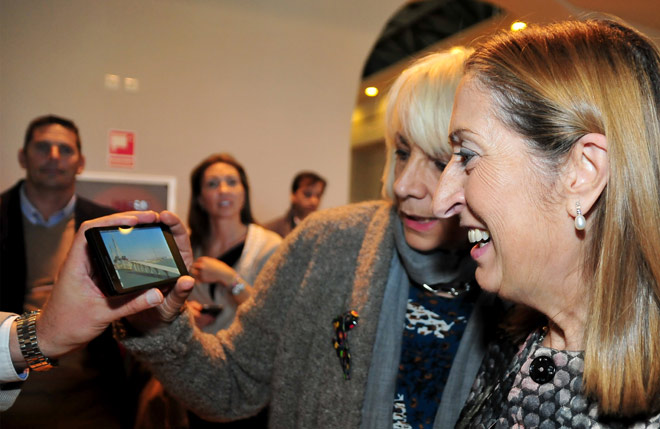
{"type": "Point", "coordinates": [306, 192]}
{"type": "Point", "coordinates": [38, 220]}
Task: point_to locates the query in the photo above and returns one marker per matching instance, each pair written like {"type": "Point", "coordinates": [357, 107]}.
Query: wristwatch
{"type": "Point", "coordinates": [26, 330]}
{"type": "Point", "coordinates": [237, 286]}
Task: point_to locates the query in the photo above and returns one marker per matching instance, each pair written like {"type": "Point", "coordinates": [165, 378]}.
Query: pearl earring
{"type": "Point", "coordinates": [580, 221]}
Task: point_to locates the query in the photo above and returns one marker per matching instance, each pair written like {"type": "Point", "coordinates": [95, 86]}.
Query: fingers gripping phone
{"type": "Point", "coordinates": [133, 258]}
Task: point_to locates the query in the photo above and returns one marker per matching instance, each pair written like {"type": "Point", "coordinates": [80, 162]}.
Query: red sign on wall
{"type": "Point", "coordinates": [121, 149]}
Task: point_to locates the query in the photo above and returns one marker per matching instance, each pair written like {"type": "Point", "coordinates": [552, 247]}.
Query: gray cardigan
{"type": "Point", "coordinates": [279, 350]}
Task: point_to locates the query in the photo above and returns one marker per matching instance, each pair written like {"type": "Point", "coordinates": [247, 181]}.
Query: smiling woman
{"type": "Point", "coordinates": [556, 140]}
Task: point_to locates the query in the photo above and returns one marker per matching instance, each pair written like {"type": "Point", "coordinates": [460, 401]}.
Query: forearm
{"type": "Point", "coordinates": [207, 373]}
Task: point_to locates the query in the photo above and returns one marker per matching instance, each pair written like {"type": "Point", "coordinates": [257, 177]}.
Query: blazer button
{"type": "Point", "coordinates": [542, 369]}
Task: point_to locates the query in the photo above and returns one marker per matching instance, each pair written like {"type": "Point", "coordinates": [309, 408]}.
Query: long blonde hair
{"type": "Point", "coordinates": [419, 106]}
{"type": "Point", "coordinates": [553, 85]}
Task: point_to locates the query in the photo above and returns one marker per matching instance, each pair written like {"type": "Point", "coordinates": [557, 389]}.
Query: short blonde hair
{"type": "Point", "coordinates": [553, 85]}
{"type": "Point", "coordinates": [419, 106]}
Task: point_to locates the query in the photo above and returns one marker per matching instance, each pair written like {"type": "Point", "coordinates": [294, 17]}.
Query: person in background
{"type": "Point", "coordinates": [366, 315]}
{"type": "Point", "coordinates": [230, 249]}
{"type": "Point", "coordinates": [556, 141]}
{"type": "Point", "coordinates": [306, 193]}
{"type": "Point", "coordinates": [38, 220]}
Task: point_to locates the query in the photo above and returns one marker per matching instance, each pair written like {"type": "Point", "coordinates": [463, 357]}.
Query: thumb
{"type": "Point", "coordinates": [138, 303]}
{"type": "Point", "coordinates": [174, 300]}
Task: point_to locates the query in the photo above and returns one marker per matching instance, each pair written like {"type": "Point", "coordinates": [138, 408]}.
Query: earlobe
{"type": "Point", "coordinates": [21, 158]}
{"type": "Point", "coordinates": [587, 173]}
{"type": "Point", "coordinates": [81, 165]}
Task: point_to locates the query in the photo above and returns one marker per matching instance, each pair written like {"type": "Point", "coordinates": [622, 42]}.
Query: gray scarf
{"type": "Point", "coordinates": [438, 266]}
{"type": "Point", "coordinates": [434, 267]}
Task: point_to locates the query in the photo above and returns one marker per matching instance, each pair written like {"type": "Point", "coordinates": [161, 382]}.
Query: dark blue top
{"type": "Point", "coordinates": [433, 330]}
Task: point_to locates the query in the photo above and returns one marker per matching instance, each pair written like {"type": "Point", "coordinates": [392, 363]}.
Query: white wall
{"type": "Point", "coordinates": [272, 82]}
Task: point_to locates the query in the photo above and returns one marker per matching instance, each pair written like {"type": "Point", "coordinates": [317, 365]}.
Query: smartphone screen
{"type": "Point", "coordinates": [135, 258]}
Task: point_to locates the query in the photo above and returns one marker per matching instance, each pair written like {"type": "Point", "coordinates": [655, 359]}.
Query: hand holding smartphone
{"type": "Point", "coordinates": [134, 258]}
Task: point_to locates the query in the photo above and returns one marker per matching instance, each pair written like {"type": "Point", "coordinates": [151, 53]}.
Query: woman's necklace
{"type": "Point", "coordinates": [453, 289]}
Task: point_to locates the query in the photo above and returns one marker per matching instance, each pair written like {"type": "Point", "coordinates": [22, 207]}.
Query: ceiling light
{"type": "Point", "coordinates": [371, 91]}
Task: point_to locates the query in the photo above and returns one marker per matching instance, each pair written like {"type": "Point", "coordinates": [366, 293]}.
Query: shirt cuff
{"type": "Point", "coordinates": [8, 373]}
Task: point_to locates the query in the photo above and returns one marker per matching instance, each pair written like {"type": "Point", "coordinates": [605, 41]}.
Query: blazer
{"type": "Point", "coordinates": [13, 270]}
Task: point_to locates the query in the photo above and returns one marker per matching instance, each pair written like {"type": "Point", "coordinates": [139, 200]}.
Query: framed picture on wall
{"type": "Point", "coordinates": [125, 192]}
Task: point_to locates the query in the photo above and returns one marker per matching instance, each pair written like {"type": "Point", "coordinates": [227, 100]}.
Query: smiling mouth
{"type": "Point", "coordinates": [225, 203]}
{"type": "Point", "coordinates": [480, 236]}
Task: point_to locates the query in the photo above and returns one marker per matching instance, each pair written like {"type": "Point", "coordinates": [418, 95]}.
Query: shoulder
{"type": "Point", "coordinates": [344, 227]}
{"type": "Point", "coordinates": [11, 193]}
{"type": "Point", "coordinates": [351, 215]}
{"type": "Point", "coordinates": [10, 210]}
{"type": "Point", "coordinates": [268, 237]}
{"type": "Point", "coordinates": [274, 223]}
{"type": "Point", "coordinates": [280, 225]}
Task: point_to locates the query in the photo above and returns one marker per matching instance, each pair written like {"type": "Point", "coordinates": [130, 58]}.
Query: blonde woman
{"type": "Point", "coordinates": [367, 315]}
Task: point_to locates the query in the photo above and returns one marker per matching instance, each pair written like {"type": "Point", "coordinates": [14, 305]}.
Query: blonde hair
{"type": "Point", "coordinates": [553, 85]}
{"type": "Point", "coordinates": [419, 106]}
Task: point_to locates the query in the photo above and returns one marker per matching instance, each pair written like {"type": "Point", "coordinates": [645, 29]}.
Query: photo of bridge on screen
{"type": "Point", "coordinates": [140, 255]}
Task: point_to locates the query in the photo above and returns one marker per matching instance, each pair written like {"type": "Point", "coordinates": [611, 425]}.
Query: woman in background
{"type": "Point", "coordinates": [229, 247]}
{"type": "Point", "coordinates": [556, 173]}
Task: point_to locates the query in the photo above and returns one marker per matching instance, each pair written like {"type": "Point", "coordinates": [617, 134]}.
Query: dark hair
{"type": "Point", "coordinates": [306, 176]}
{"type": "Point", "coordinates": [198, 218]}
{"type": "Point", "coordinates": [50, 120]}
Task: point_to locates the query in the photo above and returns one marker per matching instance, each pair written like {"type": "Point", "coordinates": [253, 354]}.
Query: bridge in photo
{"type": "Point", "coordinates": [148, 268]}
{"type": "Point", "coordinates": [121, 262]}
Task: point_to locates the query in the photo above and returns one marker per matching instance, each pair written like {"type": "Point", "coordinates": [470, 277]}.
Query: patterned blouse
{"type": "Point", "coordinates": [433, 330]}
{"type": "Point", "coordinates": [534, 387]}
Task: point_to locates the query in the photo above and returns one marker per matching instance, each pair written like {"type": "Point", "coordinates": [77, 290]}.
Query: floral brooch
{"type": "Point", "coordinates": [342, 324]}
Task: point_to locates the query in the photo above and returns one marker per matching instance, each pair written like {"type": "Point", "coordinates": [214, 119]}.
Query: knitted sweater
{"type": "Point", "coordinates": [279, 349]}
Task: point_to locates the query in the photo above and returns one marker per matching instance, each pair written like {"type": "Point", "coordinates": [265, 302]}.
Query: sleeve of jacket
{"type": "Point", "coordinates": [228, 375]}
{"type": "Point", "coordinates": [10, 384]}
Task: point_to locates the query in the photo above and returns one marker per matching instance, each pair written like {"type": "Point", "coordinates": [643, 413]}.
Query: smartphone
{"type": "Point", "coordinates": [133, 258]}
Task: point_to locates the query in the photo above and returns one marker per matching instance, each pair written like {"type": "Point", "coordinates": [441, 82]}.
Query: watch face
{"type": "Point", "coordinates": [236, 290]}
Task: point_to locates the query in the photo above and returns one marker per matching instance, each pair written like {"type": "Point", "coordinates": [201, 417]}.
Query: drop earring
{"type": "Point", "coordinates": [580, 221]}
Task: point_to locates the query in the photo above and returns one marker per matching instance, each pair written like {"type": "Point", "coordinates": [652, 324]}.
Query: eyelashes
{"type": "Point", "coordinates": [401, 154]}
{"type": "Point", "coordinates": [440, 165]}
{"type": "Point", "coordinates": [464, 156]}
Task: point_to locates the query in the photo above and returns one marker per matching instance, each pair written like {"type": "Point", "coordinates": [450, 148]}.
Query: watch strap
{"type": "Point", "coordinates": [26, 330]}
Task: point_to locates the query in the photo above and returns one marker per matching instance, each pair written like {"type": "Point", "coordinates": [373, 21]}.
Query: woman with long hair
{"type": "Point", "coordinates": [556, 174]}
{"type": "Point", "coordinates": [230, 248]}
